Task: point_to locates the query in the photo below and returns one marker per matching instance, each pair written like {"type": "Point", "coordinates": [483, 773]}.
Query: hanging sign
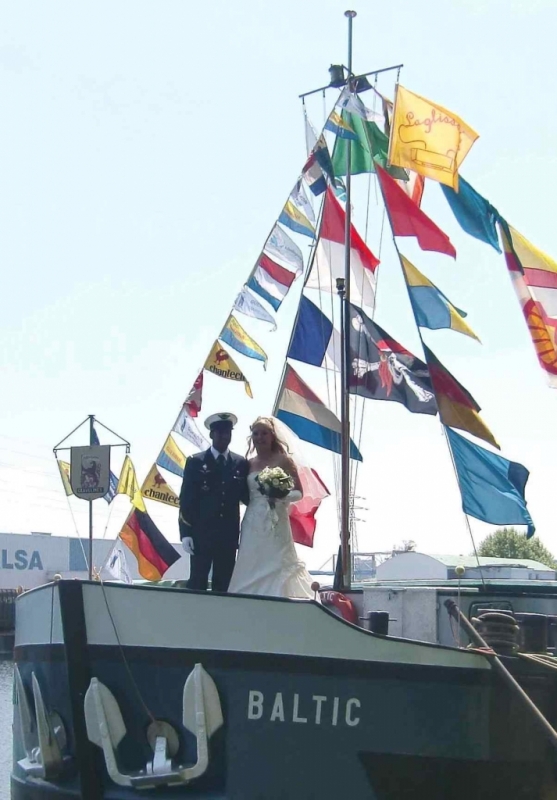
{"type": "Point", "coordinates": [90, 471]}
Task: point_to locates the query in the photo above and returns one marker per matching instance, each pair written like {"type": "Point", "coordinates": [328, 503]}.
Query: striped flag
{"type": "Point", "coordinates": [271, 281]}
{"type": "Point", "coordinates": [431, 308]}
{"type": "Point", "coordinates": [534, 277]}
{"type": "Point", "coordinates": [234, 335]}
{"type": "Point", "coordinates": [339, 126]}
{"type": "Point", "coordinates": [153, 551]}
{"type": "Point", "coordinates": [280, 245]}
{"type": "Point", "coordinates": [296, 220]}
{"type": "Point", "coordinates": [457, 407]}
{"type": "Point", "coordinates": [112, 487]}
{"type": "Point", "coordinates": [171, 457]}
{"type": "Point", "coordinates": [329, 255]}
{"type": "Point", "coordinates": [315, 340]}
{"type": "Point", "coordinates": [301, 409]}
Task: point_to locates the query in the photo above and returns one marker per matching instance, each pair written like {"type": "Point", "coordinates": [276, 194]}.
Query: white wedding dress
{"type": "Point", "coordinates": [267, 561]}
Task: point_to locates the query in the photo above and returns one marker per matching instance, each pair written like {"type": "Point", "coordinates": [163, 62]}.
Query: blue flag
{"type": "Point", "coordinates": [474, 213]}
{"type": "Point", "coordinates": [314, 341]}
{"type": "Point", "coordinates": [492, 487]}
{"type": "Point", "coordinates": [94, 436]}
{"type": "Point", "coordinates": [112, 485]}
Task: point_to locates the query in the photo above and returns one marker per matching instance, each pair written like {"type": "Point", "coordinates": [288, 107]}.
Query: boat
{"type": "Point", "coordinates": [125, 691]}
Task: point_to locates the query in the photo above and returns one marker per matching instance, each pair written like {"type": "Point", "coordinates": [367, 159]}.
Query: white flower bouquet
{"type": "Point", "coordinates": [274, 483]}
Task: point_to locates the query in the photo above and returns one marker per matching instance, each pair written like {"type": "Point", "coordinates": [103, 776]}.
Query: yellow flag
{"type": "Point", "coordinates": [64, 468]}
{"type": "Point", "coordinates": [534, 277]}
{"type": "Point", "coordinates": [222, 364]}
{"type": "Point", "coordinates": [156, 488]}
{"type": "Point", "coordinates": [431, 307]}
{"type": "Point", "coordinates": [171, 457]}
{"type": "Point", "coordinates": [234, 335]}
{"type": "Point", "coordinates": [427, 138]}
{"type": "Point", "coordinates": [128, 485]}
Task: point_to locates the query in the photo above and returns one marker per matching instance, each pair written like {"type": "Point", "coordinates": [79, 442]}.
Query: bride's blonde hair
{"type": "Point", "coordinates": [277, 446]}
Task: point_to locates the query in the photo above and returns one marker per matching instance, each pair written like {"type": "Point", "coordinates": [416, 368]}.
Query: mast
{"type": "Point", "coordinates": [91, 441]}
{"type": "Point", "coordinates": [343, 576]}
{"type": "Point", "coordinates": [344, 293]}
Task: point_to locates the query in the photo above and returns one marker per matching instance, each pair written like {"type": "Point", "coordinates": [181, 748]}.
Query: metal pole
{"type": "Point", "coordinates": [455, 612]}
{"type": "Point", "coordinates": [345, 338]}
{"type": "Point", "coordinates": [91, 432]}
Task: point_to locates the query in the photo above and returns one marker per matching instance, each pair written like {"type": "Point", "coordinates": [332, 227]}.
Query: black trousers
{"type": "Point", "coordinates": [222, 558]}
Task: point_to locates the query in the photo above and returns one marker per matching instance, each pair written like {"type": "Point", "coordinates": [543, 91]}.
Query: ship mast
{"type": "Point", "coordinates": [343, 577]}
{"type": "Point", "coordinates": [343, 288]}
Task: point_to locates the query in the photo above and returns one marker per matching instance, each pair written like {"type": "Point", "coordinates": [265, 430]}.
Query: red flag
{"type": "Point", "coordinates": [409, 220]}
{"type": "Point", "coordinates": [333, 229]}
{"type": "Point", "coordinates": [192, 403]}
{"type": "Point", "coordinates": [413, 187]}
{"type": "Point", "coordinates": [302, 513]}
{"type": "Point", "coordinates": [330, 256]}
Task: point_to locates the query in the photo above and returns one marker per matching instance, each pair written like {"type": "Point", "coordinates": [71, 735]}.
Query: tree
{"type": "Point", "coordinates": [509, 543]}
{"type": "Point", "coordinates": [406, 546]}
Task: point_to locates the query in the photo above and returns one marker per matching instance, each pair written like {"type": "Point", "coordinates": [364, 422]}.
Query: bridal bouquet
{"type": "Point", "coordinates": [274, 483]}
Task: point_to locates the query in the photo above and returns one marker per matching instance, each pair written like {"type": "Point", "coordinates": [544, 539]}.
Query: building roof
{"type": "Point", "coordinates": [471, 562]}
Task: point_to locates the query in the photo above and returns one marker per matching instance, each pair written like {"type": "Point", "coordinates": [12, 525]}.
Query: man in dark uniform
{"type": "Point", "coordinates": [215, 482]}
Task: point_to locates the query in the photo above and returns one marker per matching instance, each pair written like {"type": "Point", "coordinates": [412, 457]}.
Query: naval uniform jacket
{"type": "Point", "coordinates": [210, 500]}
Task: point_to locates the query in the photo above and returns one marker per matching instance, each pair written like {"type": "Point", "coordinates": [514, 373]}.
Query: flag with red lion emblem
{"type": "Point", "coordinates": [220, 363]}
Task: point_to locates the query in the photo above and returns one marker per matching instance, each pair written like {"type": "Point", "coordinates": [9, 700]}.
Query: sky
{"type": "Point", "coordinates": [147, 150]}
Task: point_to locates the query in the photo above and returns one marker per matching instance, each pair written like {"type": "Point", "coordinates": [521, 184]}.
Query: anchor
{"type": "Point", "coordinates": [201, 716]}
{"type": "Point", "coordinates": [43, 733]}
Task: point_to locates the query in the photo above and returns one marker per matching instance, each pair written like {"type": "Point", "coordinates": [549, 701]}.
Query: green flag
{"type": "Point", "coordinates": [371, 145]}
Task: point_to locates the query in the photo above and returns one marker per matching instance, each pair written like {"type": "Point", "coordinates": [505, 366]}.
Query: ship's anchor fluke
{"type": "Point", "coordinates": [43, 733]}
{"type": "Point", "coordinates": [202, 716]}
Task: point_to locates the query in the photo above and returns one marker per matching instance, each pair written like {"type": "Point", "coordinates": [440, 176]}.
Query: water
{"type": "Point", "coordinates": [6, 695]}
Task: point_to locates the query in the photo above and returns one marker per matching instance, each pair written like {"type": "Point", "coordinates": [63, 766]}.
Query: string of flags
{"type": "Point", "coordinates": [420, 139]}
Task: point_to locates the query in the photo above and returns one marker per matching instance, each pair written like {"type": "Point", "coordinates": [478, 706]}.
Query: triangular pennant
{"type": "Point", "coordinates": [220, 363]}
{"type": "Point", "coordinates": [234, 335]}
{"type": "Point", "coordinates": [171, 457]}
{"type": "Point", "coordinates": [156, 488]}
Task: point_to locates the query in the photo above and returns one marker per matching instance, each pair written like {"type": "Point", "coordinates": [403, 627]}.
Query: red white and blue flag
{"type": "Point", "coordinates": [307, 415]}
{"type": "Point", "coordinates": [271, 281]}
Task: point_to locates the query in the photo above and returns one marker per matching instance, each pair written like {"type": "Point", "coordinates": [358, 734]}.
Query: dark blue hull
{"type": "Point", "coordinates": [299, 726]}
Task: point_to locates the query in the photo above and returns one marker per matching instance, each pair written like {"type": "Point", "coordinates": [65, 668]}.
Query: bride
{"type": "Point", "coordinates": [267, 561]}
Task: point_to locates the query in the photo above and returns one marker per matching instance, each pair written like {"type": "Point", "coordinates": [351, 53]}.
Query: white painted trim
{"type": "Point", "coordinates": [180, 620]}
{"type": "Point", "coordinates": [37, 617]}
{"type": "Point", "coordinates": [234, 623]}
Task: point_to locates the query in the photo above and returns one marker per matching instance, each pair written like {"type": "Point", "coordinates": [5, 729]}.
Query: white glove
{"type": "Point", "coordinates": [293, 496]}
{"type": "Point", "coordinates": [187, 544]}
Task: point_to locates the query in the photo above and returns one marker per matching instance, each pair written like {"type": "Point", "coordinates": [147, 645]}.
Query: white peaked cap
{"type": "Point", "coordinates": [231, 418]}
